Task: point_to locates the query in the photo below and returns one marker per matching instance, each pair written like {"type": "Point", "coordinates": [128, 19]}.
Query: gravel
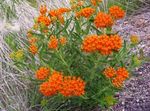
{"type": "Point", "coordinates": [135, 96]}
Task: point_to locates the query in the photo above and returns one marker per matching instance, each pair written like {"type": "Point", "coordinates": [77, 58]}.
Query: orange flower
{"type": "Point", "coordinates": [109, 72]}
{"type": "Point", "coordinates": [73, 7]}
{"type": "Point", "coordinates": [95, 2]}
{"type": "Point", "coordinates": [43, 9]}
{"type": "Point", "coordinates": [42, 73]}
{"type": "Point", "coordinates": [45, 30]}
{"type": "Point", "coordinates": [116, 12]}
{"type": "Point", "coordinates": [63, 40]}
{"type": "Point", "coordinates": [53, 43]}
{"type": "Point", "coordinates": [33, 49]}
{"type": "Point", "coordinates": [61, 19]}
{"type": "Point", "coordinates": [73, 86]}
{"type": "Point", "coordinates": [54, 13]}
{"type": "Point", "coordinates": [122, 73]}
{"type": "Point", "coordinates": [86, 12]}
{"type": "Point", "coordinates": [103, 20]}
{"type": "Point", "coordinates": [46, 89]}
{"type": "Point", "coordinates": [44, 20]}
{"type": "Point", "coordinates": [117, 42]}
{"type": "Point", "coordinates": [80, 3]}
{"type": "Point", "coordinates": [32, 40]}
{"type": "Point", "coordinates": [64, 10]}
{"type": "Point", "coordinates": [56, 80]}
{"type": "Point", "coordinates": [117, 82]}
{"type": "Point", "coordinates": [77, 14]}
{"type": "Point", "coordinates": [29, 34]}
{"type": "Point", "coordinates": [89, 43]}
{"type": "Point", "coordinates": [104, 45]}
{"type": "Point", "coordinates": [35, 26]}
{"type": "Point", "coordinates": [57, 14]}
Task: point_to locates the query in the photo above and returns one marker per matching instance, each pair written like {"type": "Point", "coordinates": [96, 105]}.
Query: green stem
{"type": "Point", "coordinates": [64, 62]}
{"type": "Point", "coordinates": [102, 91]}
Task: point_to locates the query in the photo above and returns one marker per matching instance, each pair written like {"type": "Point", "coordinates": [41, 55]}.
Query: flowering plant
{"type": "Point", "coordinates": [74, 57]}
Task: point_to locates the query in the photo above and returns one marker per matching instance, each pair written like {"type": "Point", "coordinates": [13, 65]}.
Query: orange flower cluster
{"type": "Point", "coordinates": [63, 40]}
{"type": "Point", "coordinates": [53, 85]}
{"type": "Point", "coordinates": [72, 86]}
{"type": "Point", "coordinates": [95, 2]}
{"type": "Point", "coordinates": [103, 20]}
{"type": "Point", "coordinates": [85, 12]}
{"type": "Point", "coordinates": [116, 12]}
{"type": "Point", "coordinates": [89, 43]}
{"type": "Point", "coordinates": [32, 40]}
{"type": "Point", "coordinates": [33, 49]}
{"type": "Point", "coordinates": [44, 20]}
{"type": "Point", "coordinates": [42, 73]}
{"type": "Point", "coordinates": [122, 73]}
{"type": "Point", "coordinates": [57, 14]}
{"type": "Point", "coordinates": [56, 80]}
{"type": "Point", "coordinates": [76, 5]}
{"type": "Point", "coordinates": [117, 42]}
{"type": "Point", "coordinates": [67, 86]}
{"type": "Point", "coordinates": [53, 43]}
{"type": "Point", "coordinates": [117, 76]}
{"type": "Point", "coordinates": [29, 34]}
{"type": "Point", "coordinates": [109, 72]}
{"type": "Point", "coordinates": [103, 43]}
{"type": "Point", "coordinates": [43, 9]}
{"type": "Point", "coordinates": [63, 10]}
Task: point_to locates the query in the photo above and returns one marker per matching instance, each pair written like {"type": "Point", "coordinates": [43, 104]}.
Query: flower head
{"type": "Point", "coordinates": [56, 80]}
{"type": "Point", "coordinates": [89, 43]}
{"type": "Point", "coordinates": [122, 73]}
{"type": "Point", "coordinates": [19, 55]}
{"type": "Point", "coordinates": [117, 82]}
{"type": "Point", "coordinates": [46, 89]}
{"type": "Point", "coordinates": [43, 9]}
{"type": "Point", "coordinates": [116, 12]}
{"type": "Point", "coordinates": [95, 2]}
{"type": "Point", "coordinates": [64, 10]}
{"type": "Point", "coordinates": [104, 45]}
{"type": "Point", "coordinates": [54, 13]}
{"type": "Point", "coordinates": [86, 12]}
{"type": "Point", "coordinates": [33, 49]}
{"type": "Point", "coordinates": [29, 34]}
{"type": "Point", "coordinates": [53, 43]}
{"type": "Point", "coordinates": [42, 73]}
{"type": "Point", "coordinates": [134, 39]}
{"type": "Point", "coordinates": [103, 20]}
{"type": "Point", "coordinates": [44, 20]}
{"type": "Point", "coordinates": [117, 42]}
{"type": "Point", "coordinates": [109, 72]}
{"type": "Point", "coordinates": [73, 86]}
{"type": "Point", "coordinates": [63, 40]}
{"type": "Point", "coordinates": [32, 40]}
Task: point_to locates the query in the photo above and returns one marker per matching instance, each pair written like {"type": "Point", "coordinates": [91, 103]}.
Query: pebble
{"type": "Point", "coordinates": [136, 93]}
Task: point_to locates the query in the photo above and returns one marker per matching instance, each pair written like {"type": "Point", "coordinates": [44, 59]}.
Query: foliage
{"type": "Point", "coordinates": [76, 60]}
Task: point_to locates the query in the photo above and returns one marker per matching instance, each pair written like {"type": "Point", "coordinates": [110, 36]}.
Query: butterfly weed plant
{"type": "Point", "coordinates": [74, 58]}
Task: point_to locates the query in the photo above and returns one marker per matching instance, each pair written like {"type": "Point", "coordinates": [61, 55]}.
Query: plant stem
{"type": "Point", "coordinates": [64, 62]}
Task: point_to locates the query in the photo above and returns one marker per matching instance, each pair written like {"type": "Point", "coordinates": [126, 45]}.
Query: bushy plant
{"type": "Point", "coordinates": [75, 58]}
